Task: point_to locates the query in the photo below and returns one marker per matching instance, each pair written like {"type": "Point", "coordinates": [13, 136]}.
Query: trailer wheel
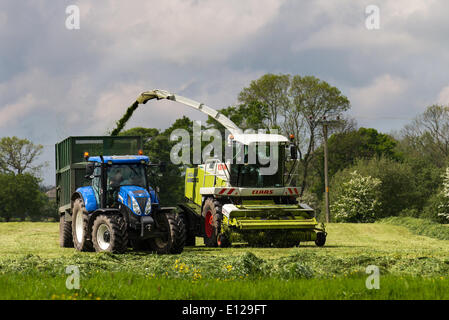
{"type": "Point", "coordinates": [109, 234]}
{"type": "Point", "coordinates": [80, 235]}
{"type": "Point", "coordinates": [190, 239]}
{"type": "Point", "coordinates": [173, 241]}
{"type": "Point", "coordinates": [65, 233]}
{"type": "Point", "coordinates": [320, 239]}
{"type": "Point", "coordinates": [212, 222]}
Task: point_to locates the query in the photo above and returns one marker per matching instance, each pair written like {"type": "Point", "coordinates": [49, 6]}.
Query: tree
{"type": "Point", "coordinates": [428, 135]}
{"type": "Point", "coordinates": [270, 91]}
{"type": "Point", "coordinates": [19, 156]}
{"type": "Point", "coordinates": [312, 101]}
{"type": "Point", "coordinates": [20, 197]}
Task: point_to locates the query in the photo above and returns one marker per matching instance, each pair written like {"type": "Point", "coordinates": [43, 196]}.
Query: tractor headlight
{"type": "Point", "coordinates": [136, 207]}
{"type": "Point", "coordinates": [148, 207]}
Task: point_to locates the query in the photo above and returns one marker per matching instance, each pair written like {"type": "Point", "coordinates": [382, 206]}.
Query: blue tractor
{"type": "Point", "coordinates": [119, 209]}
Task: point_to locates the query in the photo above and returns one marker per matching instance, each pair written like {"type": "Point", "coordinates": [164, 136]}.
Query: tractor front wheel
{"type": "Point", "coordinates": [173, 241]}
{"type": "Point", "coordinates": [109, 234]}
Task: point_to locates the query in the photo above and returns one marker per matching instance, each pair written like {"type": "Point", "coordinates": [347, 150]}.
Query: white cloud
{"type": "Point", "coordinates": [176, 30]}
{"type": "Point", "coordinates": [443, 96]}
{"type": "Point", "coordinates": [377, 98]}
{"type": "Point", "coordinates": [12, 113]}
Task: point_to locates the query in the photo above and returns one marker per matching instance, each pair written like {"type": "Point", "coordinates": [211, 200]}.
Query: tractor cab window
{"type": "Point", "coordinates": [126, 175]}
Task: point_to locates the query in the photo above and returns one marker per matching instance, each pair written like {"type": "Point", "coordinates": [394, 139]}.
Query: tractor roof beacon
{"type": "Point", "coordinates": [115, 207]}
{"type": "Point", "coordinates": [227, 198]}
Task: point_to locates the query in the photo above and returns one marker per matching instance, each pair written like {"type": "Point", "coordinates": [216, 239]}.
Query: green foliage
{"type": "Point", "coordinates": [398, 190]}
{"type": "Point", "coordinates": [20, 197]}
{"type": "Point", "coordinates": [346, 147]}
{"type": "Point", "coordinates": [437, 208]}
{"type": "Point", "coordinates": [357, 199]}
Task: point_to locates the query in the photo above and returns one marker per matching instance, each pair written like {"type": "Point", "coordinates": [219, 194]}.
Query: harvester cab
{"type": "Point", "coordinates": [249, 194]}
{"type": "Point", "coordinates": [120, 209]}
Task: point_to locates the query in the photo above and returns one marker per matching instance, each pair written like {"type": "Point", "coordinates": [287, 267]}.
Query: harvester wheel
{"type": "Point", "coordinates": [223, 240]}
{"type": "Point", "coordinates": [320, 239]}
{"type": "Point", "coordinates": [65, 233]}
{"type": "Point", "coordinates": [80, 235]}
{"type": "Point", "coordinates": [174, 240]}
{"type": "Point", "coordinates": [109, 234]}
{"type": "Point", "coordinates": [212, 222]}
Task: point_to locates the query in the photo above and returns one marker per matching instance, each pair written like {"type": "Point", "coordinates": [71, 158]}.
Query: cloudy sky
{"type": "Point", "coordinates": [56, 82]}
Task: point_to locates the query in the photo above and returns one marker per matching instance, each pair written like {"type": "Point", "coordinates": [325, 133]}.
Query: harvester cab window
{"type": "Point", "coordinates": [248, 175]}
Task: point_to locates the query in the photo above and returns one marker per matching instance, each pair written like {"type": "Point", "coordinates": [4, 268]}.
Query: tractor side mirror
{"type": "Point", "coordinates": [293, 152]}
{"type": "Point", "coordinates": [89, 169]}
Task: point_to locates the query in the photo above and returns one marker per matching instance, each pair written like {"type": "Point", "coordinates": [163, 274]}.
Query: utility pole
{"type": "Point", "coordinates": [325, 123]}
{"type": "Point", "coordinates": [326, 178]}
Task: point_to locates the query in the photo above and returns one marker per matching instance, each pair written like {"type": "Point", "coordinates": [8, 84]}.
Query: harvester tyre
{"type": "Point", "coordinates": [80, 234]}
{"type": "Point", "coordinates": [320, 239]}
{"type": "Point", "coordinates": [65, 233]}
{"type": "Point", "coordinates": [109, 234]}
{"type": "Point", "coordinates": [212, 222]}
{"type": "Point", "coordinates": [174, 240]}
{"type": "Point", "coordinates": [223, 240]}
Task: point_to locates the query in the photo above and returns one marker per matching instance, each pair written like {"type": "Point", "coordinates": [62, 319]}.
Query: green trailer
{"type": "Point", "coordinates": [71, 164]}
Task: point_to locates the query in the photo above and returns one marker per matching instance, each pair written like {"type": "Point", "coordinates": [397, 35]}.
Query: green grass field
{"type": "Point", "coordinates": [412, 266]}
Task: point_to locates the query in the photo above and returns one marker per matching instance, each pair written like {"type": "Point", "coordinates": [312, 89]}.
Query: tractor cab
{"type": "Point", "coordinates": [121, 180]}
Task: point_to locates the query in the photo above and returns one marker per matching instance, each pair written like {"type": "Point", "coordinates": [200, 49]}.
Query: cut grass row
{"type": "Point", "coordinates": [412, 266]}
{"type": "Point", "coordinates": [421, 227]}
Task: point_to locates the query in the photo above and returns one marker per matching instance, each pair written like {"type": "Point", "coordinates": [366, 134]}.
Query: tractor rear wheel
{"type": "Point", "coordinates": [65, 233]}
{"type": "Point", "coordinates": [175, 234]}
{"type": "Point", "coordinates": [109, 234]}
{"type": "Point", "coordinates": [80, 235]}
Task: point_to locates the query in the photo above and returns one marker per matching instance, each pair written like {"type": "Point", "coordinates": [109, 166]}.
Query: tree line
{"type": "Point", "coordinates": [404, 171]}
{"type": "Point", "coordinates": [22, 196]}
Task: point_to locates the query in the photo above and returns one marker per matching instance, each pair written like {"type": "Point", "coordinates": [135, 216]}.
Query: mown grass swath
{"type": "Point", "coordinates": [32, 266]}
